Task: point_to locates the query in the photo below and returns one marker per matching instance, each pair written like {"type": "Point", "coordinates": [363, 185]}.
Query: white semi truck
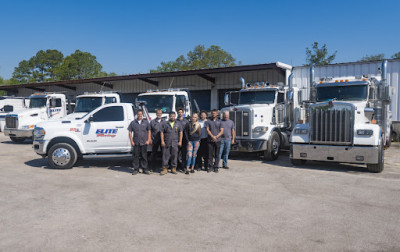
{"type": "Point", "coordinates": [42, 107]}
{"type": "Point", "coordinates": [168, 100]}
{"type": "Point", "coordinates": [264, 116]}
{"type": "Point", "coordinates": [100, 133]}
{"type": "Point", "coordinates": [50, 106]}
{"type": "Point", "coordinates": [10, 104]}
{"type": "Point", "coordinates": [348, 120]}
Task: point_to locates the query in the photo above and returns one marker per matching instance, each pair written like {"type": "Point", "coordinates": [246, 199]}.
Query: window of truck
{"type": "Point", "coordinates": [342, 93]}
{"type": "Point", "coordinates": [257, 97]}
{"type": "Point", "coordinates": [154, 102]}
{"type": "Point", "coordinates": [87, 104]}
{"type": "Point", "coordinates": [109, 114]}
{"type": "Point", "coordinates": [37, 102]}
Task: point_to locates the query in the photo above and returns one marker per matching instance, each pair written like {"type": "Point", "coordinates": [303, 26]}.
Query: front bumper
{"type": "Point", "coordinates": [28, 133]}
{"type": "Point", "coordinates": [38, 147]}
{"type": "Point", "coordinates": [249, 145]}
{"type": "Point", "coordinates": [333, 153]}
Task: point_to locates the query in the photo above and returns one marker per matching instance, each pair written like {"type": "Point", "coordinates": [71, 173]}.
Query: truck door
{"type": "Point", "coordinates": [106, 131]}
{"type": "Point", "coordinates": [56, 108]}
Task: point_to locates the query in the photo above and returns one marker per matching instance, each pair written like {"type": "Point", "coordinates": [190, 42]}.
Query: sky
{"type": "Point", "coordinates": [129, 37]}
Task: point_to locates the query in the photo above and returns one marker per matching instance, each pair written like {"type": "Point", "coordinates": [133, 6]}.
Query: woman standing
{"type": "Point", "coordinates": [193, 132]}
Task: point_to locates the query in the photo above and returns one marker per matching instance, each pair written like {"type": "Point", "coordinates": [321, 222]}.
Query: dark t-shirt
{"type": "Point", "coordinates": [183, 123]}
{"type": "Point", "coordinates": [189, 129]}
{"type": "Point", "coordinates": [139, 131]}
{"type": "Point", "coordinates": [227, 125]}
{"type": "Point", "coordinates": [214, 127]}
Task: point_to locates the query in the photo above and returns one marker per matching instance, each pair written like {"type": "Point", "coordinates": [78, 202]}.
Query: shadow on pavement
{"type": "Point", "coordinates": [24, 142]}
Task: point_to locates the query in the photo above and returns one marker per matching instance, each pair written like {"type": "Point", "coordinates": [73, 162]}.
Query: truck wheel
{"type": "Point", "coordinates": [62, 156]}
{"type": "Point", "coordinates": [273, 147]}
{"type": "Point", "coordinates": [17, 139]}
{"type": "Point", "coordinates": [298, 162]}
{"type": "Point", "coordinates": [394, 136]}
{"type": "Point", "coordinates": [381, 161]}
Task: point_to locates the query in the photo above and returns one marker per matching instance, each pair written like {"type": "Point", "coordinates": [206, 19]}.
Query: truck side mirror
{"type": "Point", "coordinates": [90, 119]}
{"type": "Point", "coordinates": [227, 99]}
{"type": "Point", "coordinates": [300, 97]}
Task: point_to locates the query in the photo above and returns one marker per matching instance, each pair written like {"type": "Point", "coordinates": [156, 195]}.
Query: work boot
{"type": "Point", "coordinates": [164, 171]}
{"type": "Point", "coordinates": [173, 170]}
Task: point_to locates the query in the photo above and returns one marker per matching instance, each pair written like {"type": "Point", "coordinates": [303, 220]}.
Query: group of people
{"type": "Point", "coordinates": [186, 145]}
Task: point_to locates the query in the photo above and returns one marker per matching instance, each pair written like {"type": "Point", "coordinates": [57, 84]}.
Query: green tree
{"type": "Point", "coordinates": [366, 58]}
{"type": "Point", "coordinates": [23, 73]}
{"type": "Point", "coordinates": [79, 65]}
{"type": "Point", "coordinates": [199, 58]}
{"type": "Point", "coordinates": [396, 55]}
{"type": "Point", "coordinates": [38, 68]}
{"type": "Point", "coordinates": [319, 55]}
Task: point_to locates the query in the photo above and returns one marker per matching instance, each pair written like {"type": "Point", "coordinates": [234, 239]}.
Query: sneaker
{"type": "Point", "coordinates": [216, 170]}
{"type": "Point", "coordinates": [192, 171]}
{"type": "Point", "coordinates": [187, 172]}
{"type": "Point", "coordinates": [135, 172]}
{"type": "Point", "coordinates": [225, 167]}
{"type": "Point", "coordinates": [146, 172]}
{"type": "Point", "coordinates": [208, 170]}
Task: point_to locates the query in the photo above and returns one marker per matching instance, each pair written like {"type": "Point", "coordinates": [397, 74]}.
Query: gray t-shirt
{"type": "Point", "coordinates": [227, 125]}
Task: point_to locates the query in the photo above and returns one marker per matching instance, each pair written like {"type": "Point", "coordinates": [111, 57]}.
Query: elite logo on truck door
{"type": "Point", "coordinates": [106, 132]}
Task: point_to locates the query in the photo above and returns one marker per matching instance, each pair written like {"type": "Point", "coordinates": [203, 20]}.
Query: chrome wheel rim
{"type": "Point", "coordinates": [61, 156]}
{"type": "Point", "coordinates": [275, 146]}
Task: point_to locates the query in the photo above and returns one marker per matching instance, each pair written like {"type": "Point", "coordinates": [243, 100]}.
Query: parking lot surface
{"type": "Point", "coordinates": [254, 206]}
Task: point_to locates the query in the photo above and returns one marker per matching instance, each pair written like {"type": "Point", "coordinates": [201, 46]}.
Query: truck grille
{"type": "Point", "coordinates": [11, 122]}
{"type": "Point", "coordinates": [332, 124]}
{"type": "Point", "coordinates": [242, 122]}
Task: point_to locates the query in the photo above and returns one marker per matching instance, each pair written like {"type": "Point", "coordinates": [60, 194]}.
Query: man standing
{"type": "Point", "coordinates": [140, 137]}
{"type": "Point", "coordinates": [228, 138]}
{"type": "Point", "coordinates": [214, 131]}
{"type": "Point", "coordinates": [183, 149]}
{"type": "Point", "coordinates": [202, 154]}
{"type": "Point", "coordinates": [171, 139]}
{"type": "Point", "coordinates": [155, 126]}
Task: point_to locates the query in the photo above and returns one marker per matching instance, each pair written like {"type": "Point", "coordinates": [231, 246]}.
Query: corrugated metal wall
{"type": "Point", "coordinates": [301, 76]}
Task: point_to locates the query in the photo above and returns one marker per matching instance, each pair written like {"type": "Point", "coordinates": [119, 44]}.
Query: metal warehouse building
{"type": "Point", "coordinates": [208, 86]}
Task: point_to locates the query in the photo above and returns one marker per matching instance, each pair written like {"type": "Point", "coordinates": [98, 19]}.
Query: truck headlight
{"type": "Point", "coordinates": [27, 126]}
{"type": "Point", "coordinates": [39, 133]}
{"type": "Point", "coordinates": [365, 132]}
{"type": "Point", "coordinates": [260, 129]}
{"type": "Point", "coordinates": [301, 131]}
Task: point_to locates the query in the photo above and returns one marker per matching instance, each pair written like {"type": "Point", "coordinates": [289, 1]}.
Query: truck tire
{"type": "Point", "coordinates": [381, 161]}
{"type": "Point", "coordinates": [273, 147]}
{"type": "Point", "coordinates": [62, 156]}
{"type": "Point", "coordinates": [298, 162]}
{"type": "Point", "coordinates": [17, 139]}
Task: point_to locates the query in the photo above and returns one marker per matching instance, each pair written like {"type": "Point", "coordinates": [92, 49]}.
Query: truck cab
{"type": "Point", "coordinates": [11, 104]}
{"type": "Point", "coordinates": [348, 120]}
{"type": "Point", "coordinates": [89, 101]}
{"type": "Point", "coordinates": [263, 117]}
{"type": "Point", "coordinates": [102, 132]}
{"type": "Point", "coordinates": [19, 125]}
{"type": "Point", "coordinates": [168, 100]}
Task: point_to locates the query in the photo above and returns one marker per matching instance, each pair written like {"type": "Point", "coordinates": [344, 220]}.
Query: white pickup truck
{"type": "Point", "coordinates": [101, 133]}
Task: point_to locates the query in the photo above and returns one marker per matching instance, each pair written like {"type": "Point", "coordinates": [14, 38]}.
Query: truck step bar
{"type": "Point", "coordinates": [107, 155]}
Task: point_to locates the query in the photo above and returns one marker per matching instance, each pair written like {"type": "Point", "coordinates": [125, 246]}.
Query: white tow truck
{"type": "Point", "coordinates": [19, 125]}
{"type": "Point", "coordinates": [168, 100]}
{"type": "Point", "coordinates": [89, 101]}
{"type": "Point", "coordinates": [264, 116]}
{"type": "Point", "coordinates": [10, 104]}
{"type": "Point", "coordinates": [100, 133]}
{"type": "Point", "coordinates": [348, 120]}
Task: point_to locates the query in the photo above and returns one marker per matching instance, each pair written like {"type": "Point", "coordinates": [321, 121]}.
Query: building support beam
{"type": "Point", "coordinates": [207, 77]}
{"type": "Point", "coordinates": [152, 82]}
{"type": "Point", "coordinates": [37, 89]}
{"type": "Point", "coordinates": [105, 84]}
{"type": "Point", "coordinates": [66, 87]}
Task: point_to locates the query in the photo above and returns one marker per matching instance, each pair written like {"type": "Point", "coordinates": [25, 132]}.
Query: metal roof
{"type": "Point", "coordinates": [149, 77]}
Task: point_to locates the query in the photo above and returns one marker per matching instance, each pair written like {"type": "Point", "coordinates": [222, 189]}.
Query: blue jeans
{"type": "Point", "coordinates": [224, 151]}
{"type": "Point", "coordinates": [192, 148]}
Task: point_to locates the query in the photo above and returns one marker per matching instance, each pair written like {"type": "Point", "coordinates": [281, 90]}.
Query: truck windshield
{"type": "Point", "coordinates": [257, 97]}
{"type": "Point", "coordinates": [153, 102]}
{"type": "Point", "coordinates": [88, 104]}
{"type": "Point", "coordinates": [342, 93]}
{"type": "Point", "coordinates": [37, 102]}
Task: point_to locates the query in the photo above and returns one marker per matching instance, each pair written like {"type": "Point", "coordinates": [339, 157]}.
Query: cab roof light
{"type": "Point", "coordinates": [336, 81]}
